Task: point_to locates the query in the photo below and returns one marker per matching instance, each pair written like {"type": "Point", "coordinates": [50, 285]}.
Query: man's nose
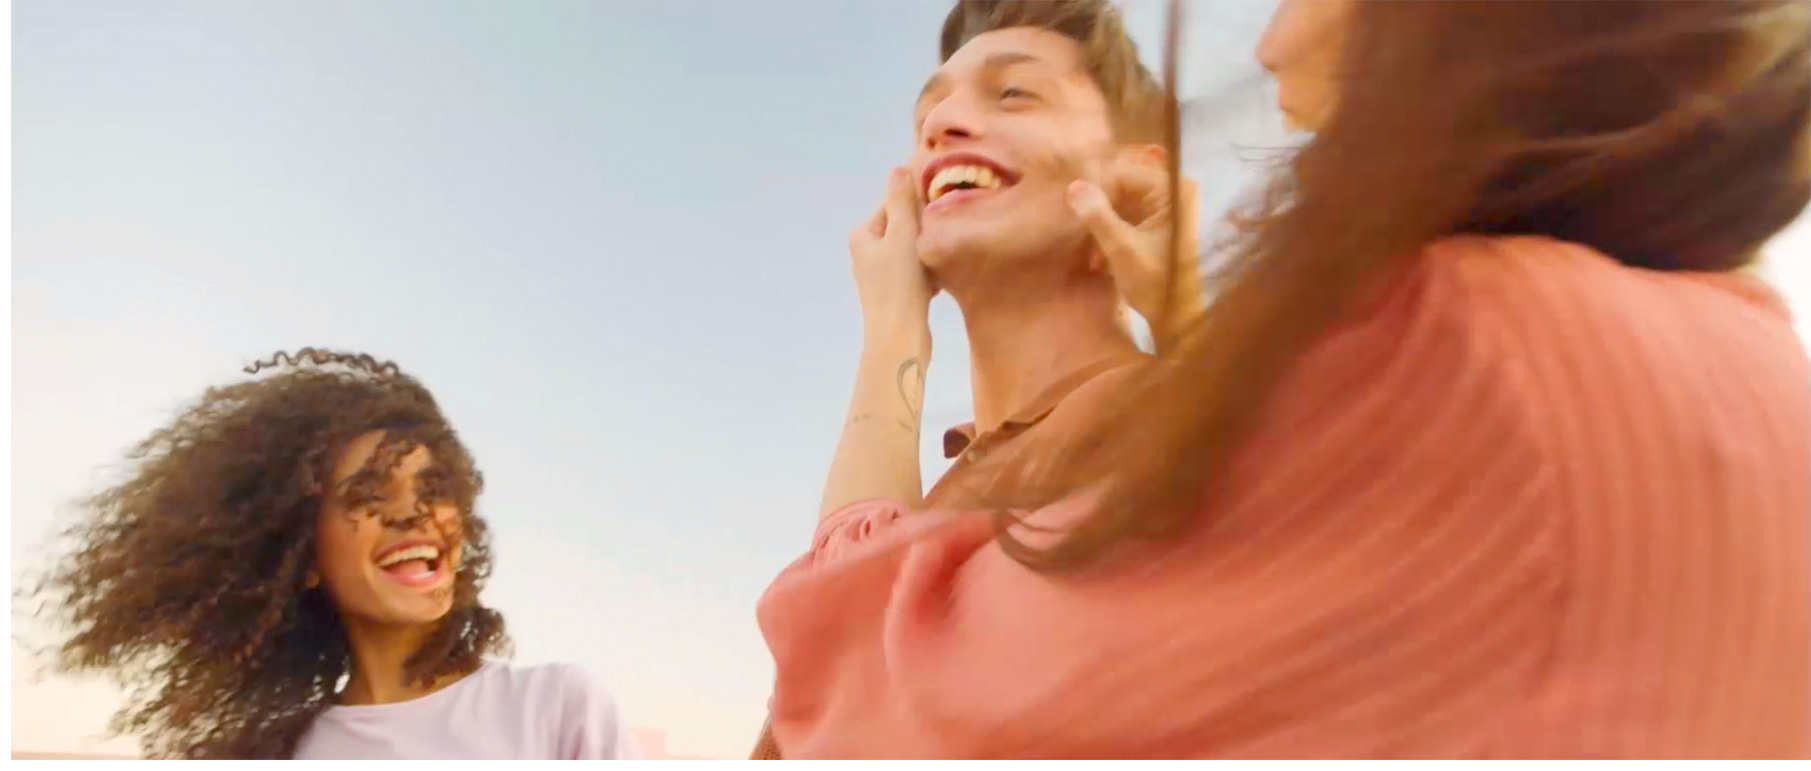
{"type": "Point", "coordinates": [953, 120]}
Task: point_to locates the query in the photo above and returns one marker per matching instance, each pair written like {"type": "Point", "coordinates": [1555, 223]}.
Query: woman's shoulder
{"type": "Point", "coordinates": [1557, 338]}
{"type": "Point", "coordinates": [1546, 299]}
{"type": "Point", "coordinates": [585, 718]}
{"type": "Point", "coordinates": [1583, 341]}
{"type": "Point", "coordinates": [560, 680]}
{"type": "Point", "coordinates": [1557, 284]}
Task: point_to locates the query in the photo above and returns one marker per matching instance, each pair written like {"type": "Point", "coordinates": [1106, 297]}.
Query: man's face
{"type": "Point", "coordinates": [1003, 127]}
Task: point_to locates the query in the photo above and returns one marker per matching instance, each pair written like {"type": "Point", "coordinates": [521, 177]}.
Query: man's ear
{"type": "Point", "coordinates": [1128, 183]}
{"type": "Point", "coordinates": [1144, 154]}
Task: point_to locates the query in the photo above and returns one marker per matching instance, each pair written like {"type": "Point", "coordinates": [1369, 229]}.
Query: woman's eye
{"type": "Point", "coordinates": [1013, 92]}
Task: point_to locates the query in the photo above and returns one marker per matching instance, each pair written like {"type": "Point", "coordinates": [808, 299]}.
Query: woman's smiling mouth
{"type": "Point", "coordinates": [413, 563]}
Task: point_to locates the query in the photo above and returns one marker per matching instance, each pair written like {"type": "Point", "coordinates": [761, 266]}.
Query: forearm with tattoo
{"type": "Point", "coordinates": [877, 456]}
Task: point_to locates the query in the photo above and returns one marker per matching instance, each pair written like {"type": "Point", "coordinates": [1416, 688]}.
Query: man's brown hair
{"type": "Point", "coordinates": [1135, 99]}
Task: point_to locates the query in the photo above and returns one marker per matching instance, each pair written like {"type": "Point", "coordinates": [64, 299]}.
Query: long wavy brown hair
{"type": "Point", "coordinates": [1667, 134]}
{"type": "Point", "coordinates": [188, 581]}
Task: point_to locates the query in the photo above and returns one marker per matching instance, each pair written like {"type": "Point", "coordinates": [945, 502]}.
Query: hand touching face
{"type": "Point", "coordinates": [1132, 215]}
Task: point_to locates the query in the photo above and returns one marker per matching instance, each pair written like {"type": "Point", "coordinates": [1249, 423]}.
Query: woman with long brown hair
{"type": "Point", "coordinates": [1485, 446]}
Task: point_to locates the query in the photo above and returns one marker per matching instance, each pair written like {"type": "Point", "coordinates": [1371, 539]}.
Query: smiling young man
{"type": "Point", "coordinates": [1039, 113]}
{"type": "Point", "coordinates": [1036, 197]}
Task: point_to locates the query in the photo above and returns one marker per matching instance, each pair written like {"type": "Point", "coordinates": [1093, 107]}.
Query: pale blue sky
{"type": "Point", "coordinates": [608, 235]}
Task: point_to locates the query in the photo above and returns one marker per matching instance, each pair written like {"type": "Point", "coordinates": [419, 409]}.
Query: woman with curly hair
{"type": "Point", "coordinates": [293, 571]}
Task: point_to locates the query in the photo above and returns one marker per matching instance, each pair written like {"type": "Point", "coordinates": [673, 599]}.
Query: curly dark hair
{"type": "Point", "coordinates": [188, 581]}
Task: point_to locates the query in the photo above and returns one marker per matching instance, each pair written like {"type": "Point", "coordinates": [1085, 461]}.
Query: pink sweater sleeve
{"type": "Point", "coordinates": [1378, 580]}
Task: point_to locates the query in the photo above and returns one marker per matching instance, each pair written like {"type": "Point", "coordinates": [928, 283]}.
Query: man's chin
{"type": "Point", "coordinates": [939, 250]}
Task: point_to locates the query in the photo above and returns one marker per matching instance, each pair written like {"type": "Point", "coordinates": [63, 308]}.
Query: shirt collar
{"type": "Point", "coordinates": [960, 438]}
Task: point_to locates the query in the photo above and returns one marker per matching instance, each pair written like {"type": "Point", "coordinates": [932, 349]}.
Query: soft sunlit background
{"type": "Point", "coordinates": [608, 235]}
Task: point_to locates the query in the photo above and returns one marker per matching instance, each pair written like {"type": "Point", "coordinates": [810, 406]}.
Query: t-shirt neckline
{"type": "Point", "coordinates": [375, 710]}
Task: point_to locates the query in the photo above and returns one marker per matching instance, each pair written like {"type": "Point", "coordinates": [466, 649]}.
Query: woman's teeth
{"type": "Point", "coordinates": [962, 177]}
{"type": "Point", "coordinates": [427, 556]}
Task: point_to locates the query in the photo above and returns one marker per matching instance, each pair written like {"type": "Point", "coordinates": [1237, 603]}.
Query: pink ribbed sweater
{"type": "Point", "coordinates": [1537, 504]}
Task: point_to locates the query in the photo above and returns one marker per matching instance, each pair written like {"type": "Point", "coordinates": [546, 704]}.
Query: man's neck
{"type": "Point", "coordinates": [1021, 346]}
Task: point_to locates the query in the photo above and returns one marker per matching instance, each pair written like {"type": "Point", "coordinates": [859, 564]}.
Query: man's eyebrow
{"type": "Point", "coordinates": [931, 85]}
{"type": "Point", "coordinates": [1005, 59]}
{"type": "Point", "coordinates": [992, 63]}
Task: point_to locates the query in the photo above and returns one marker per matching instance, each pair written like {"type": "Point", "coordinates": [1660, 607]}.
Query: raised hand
{"type": "Point", "coordinates": [1131, 224]}
{"type": "Point", "coordinates": [894, 288]}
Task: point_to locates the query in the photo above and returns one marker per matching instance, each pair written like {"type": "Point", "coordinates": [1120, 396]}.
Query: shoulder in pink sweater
{"type": "Point", "coordinates": [1537, 504]}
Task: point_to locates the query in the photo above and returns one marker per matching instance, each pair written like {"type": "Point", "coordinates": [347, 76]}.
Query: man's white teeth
{"type": "Point", "coordinates": [424, 553]}
{"type": "Point", "coordinates": [951, 177]}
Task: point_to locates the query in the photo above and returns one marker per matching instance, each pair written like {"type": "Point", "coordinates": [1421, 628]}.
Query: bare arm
{"type": "Point", "coordinates": [877, 456]}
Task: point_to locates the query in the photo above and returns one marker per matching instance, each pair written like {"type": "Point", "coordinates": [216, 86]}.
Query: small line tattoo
{"type": "Point", "coordinates": [910, 381]}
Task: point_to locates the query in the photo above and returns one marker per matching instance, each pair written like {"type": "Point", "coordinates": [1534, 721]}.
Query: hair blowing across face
{"type": "Point", "coordinates": [188, 581]}
{"type": "Point", "coordinates": [1667, 134]}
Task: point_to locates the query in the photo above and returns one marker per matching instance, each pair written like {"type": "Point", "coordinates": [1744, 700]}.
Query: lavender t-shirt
{"type": "Point", "coordinates": [500, 712]}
